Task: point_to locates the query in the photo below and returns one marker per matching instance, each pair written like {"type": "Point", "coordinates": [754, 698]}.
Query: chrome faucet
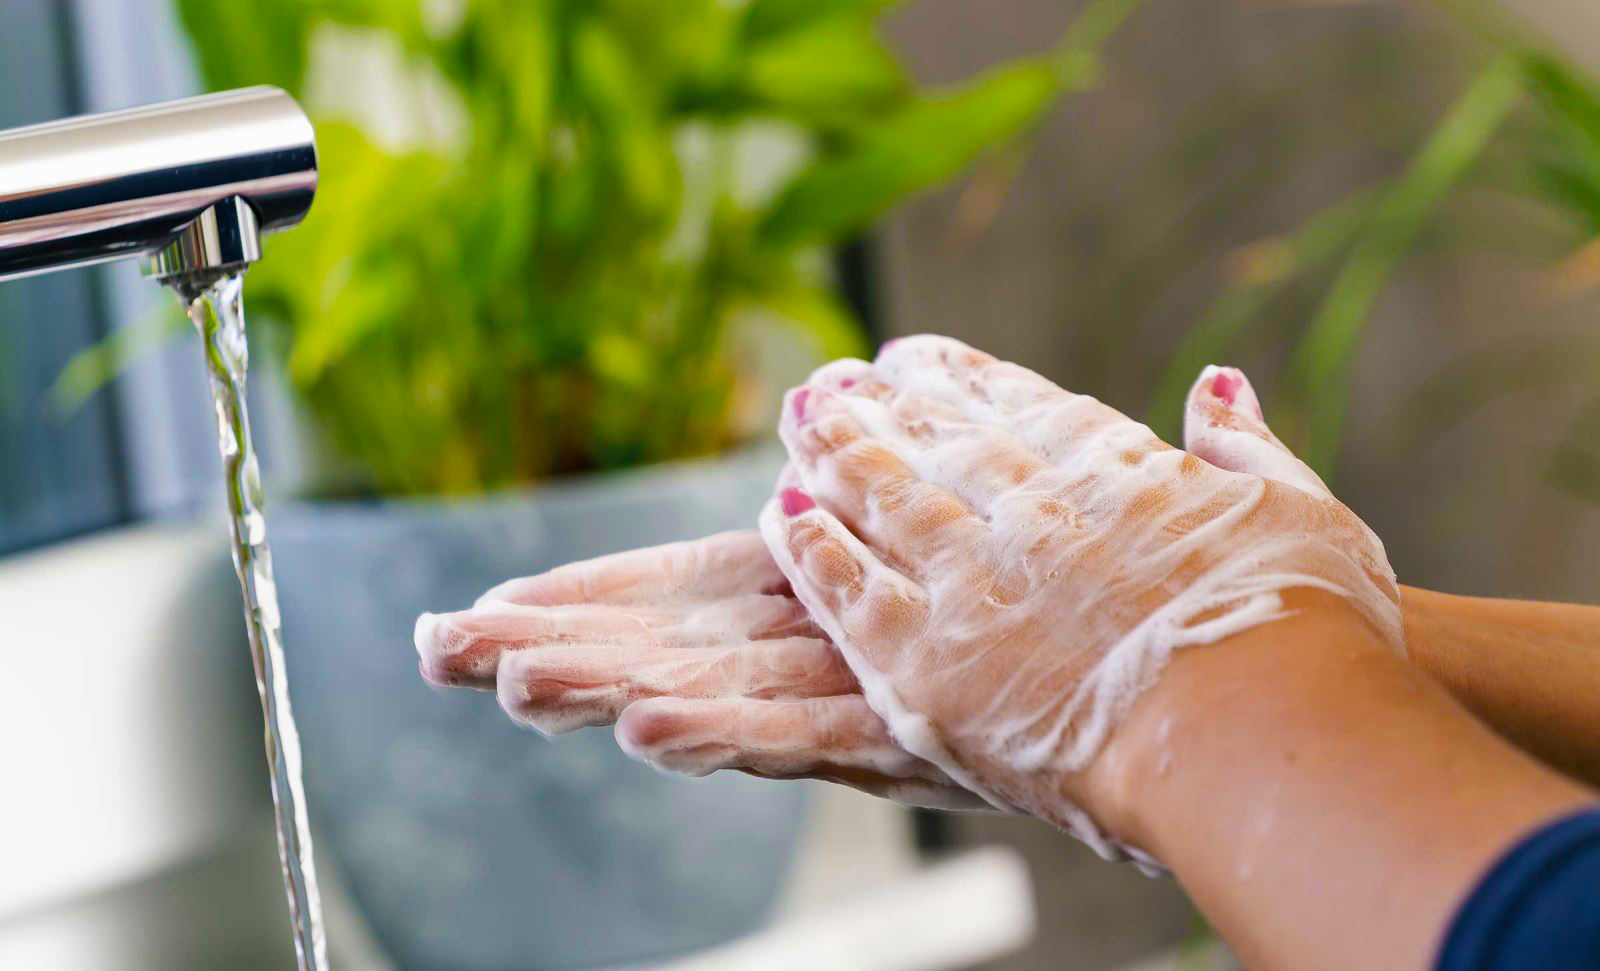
{"type": "Point", "coordinates": [187, 186]}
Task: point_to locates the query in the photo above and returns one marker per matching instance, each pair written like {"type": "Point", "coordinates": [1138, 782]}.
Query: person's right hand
{"type": "Point", "coordinates": [1005, 565]}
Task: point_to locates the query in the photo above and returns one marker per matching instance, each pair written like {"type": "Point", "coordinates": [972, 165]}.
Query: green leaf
{"type": "Point", "coordinates": [768, 18]}
{"type": "Point", "coordinates": [621, 358]}
{"type": "Point", "coordinates": [404, 20]}
{"type": "Point", "coordinates": [1093, 28]}
{"type": "Point", "coordinates": [1571, 188]}
{"type": "Point", "coordinates": [93, 367]}
{"type": "Point", "coordinates": [821, 315]}
{"type": "Point", "coordinates": [1566, 95]}
{"type": "Point", "coordinates": [1314, 244]}
{"type": "Point", "coordinates": [936, 137]}
{"type": "Point", "coordinates": [924, 145]}
{"type": "Point", "coordinates": [621, 104]}
{"type": "Point", "coordinates": [681, 42]}
{"type": "Point", "coordinates": [1320, 364]}
{"type": "Point", "coordinates": [353, 266]}
{"type": "Point", "coordinates": [832, 68]}
{"type": "Point", "coordinates": [521, 49]}
{"type": "Point", "coordinates": [243, 42]}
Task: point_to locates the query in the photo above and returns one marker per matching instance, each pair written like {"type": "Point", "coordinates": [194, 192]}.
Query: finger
{"type": "Point", "coordinates": [464, 648]}
{"type": "Point", "coordinates": [867, 608]}
{"type": "Point", "coordinates": [705, 569]}
{"type": "Point", "coordinates": [919, 793]}
{"type": "Point", "coordinates": [982, 464]}
{"type": "Point", "coordinates": [1059, 427]}
{"type": "Point", "coordinates": [879, 483]}
{"type": "Point", "coordinates": [839, 739]}
{"type": "Point", "coordinates": [558, 689]}
{"type": "Point", "coordinates": [1222, 423]}
{"type": "Point", "coordinates": [853, 378]}
{"type": "Point", "coordinates": [938, 368]}
{"type": "Point", "coordinates": [945, 357]}
{"type": "Point", "coordinates": [985, 388]}
{"type": "Point", "coordinates": [846, 375]}
{"type": "Point", "coordinates": [862, 479]}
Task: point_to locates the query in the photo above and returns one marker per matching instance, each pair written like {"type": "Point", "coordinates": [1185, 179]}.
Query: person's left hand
{"type": "Point", "coordinates": [701, 655]}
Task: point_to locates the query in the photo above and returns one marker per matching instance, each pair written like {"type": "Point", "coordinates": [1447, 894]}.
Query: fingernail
{"type": "Point", "coordinates": [1230, 386]}
{"type": "Point", "coordinates": [799, 403]}
{"type": "Point", "coordinates": [847, 383]}
{"type": "Point", "coordinates": [795, 501]}
{"type": "Point", "coordinates": [427, 638]}
{"type": "Point", "coordinates": [1226, 386]}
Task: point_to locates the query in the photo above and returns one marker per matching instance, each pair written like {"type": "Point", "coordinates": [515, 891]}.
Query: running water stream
{"type": "Point", "coordinates": [216, 306]}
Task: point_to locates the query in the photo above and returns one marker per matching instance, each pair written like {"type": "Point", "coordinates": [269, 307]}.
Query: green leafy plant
{"type": "Point", "coordinates": [1526, 127]}
{"type": "Point", "coordinates": [558, 280]}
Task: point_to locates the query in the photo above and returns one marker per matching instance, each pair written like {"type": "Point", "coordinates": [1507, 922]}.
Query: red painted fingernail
{"type": "Point", "coordinates": [795, 501]}
{"type": "Point", "coordinates": [800, 404]}
{"type": "Point", "coordinates": [1226, 386]}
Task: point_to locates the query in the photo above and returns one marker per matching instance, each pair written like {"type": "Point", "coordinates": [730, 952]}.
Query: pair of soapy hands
{"type": "Point", "coordinates": [966, 576]}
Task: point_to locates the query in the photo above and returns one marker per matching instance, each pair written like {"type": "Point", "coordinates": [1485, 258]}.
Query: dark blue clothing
{"type": "Point", "coordinates": [1537, 908]}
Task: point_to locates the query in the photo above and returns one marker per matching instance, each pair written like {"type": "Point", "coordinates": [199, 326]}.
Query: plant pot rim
{"type": "Point", "coordinates": [755, 457]}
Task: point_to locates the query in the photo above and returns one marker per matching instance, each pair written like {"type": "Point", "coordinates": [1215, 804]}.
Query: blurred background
{"type": "Point", "coordinates": [564, 258]}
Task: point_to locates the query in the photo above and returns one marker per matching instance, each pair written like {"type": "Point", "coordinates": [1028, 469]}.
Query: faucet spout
{"type": "Point", "coordinates": [189, 186]}
{"type": "Point", "coordinates": [223, 239]}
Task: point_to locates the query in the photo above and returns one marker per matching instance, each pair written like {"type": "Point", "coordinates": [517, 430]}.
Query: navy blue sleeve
{"type": "Point", "coordinates": [1538, 907]}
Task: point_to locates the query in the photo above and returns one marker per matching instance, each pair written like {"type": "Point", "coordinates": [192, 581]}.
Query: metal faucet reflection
{"type": "Point", "coordinates": [188, 187]}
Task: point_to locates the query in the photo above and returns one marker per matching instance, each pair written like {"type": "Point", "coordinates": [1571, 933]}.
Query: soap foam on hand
{"type": "Point", "coordinates": [703, 657]}
{"type": "Point", "coordinates": [697, 652]}
{"type": "Point", "coordinates": [1006, 565]}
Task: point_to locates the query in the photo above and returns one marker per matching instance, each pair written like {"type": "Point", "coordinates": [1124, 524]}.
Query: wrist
{"type": "Point", "coordinates": [1525, 669]}
{"type": "Point", "coordinates": [1207, 693]}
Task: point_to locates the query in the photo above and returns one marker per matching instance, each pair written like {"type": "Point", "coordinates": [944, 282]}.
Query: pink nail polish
{"type": "Point", "coordinates": [800, 404]}
{"type": "Point", "coordinates": [1226, 386]}
{"type": "Point", "coordinates": [795, 501]}
{"type": "Point", "coordinates": [848, 383]}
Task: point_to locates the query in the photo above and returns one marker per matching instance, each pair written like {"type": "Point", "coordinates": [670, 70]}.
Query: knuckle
{"type": "Point", "coordinates": [893, 612]}
{"type": "Point", "coordinates": [649, 729]}
{"type": "Point", "coordinates": [829, 433]}
{"type": "Point", "coordinates": [835, 566]}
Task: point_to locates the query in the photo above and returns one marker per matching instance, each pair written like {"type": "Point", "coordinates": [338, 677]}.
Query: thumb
{"type": "Point", "coordinates": [1222, 423]}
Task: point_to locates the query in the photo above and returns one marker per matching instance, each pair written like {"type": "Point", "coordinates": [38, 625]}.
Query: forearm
{"type": "Point", "coordinates": [1324, 804]}
{"type": "Point", "coordinates": [1529, 670]}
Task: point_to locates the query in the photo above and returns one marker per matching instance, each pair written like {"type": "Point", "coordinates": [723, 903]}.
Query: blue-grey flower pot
{"type": "Point", "coordinates": [469, 843]}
